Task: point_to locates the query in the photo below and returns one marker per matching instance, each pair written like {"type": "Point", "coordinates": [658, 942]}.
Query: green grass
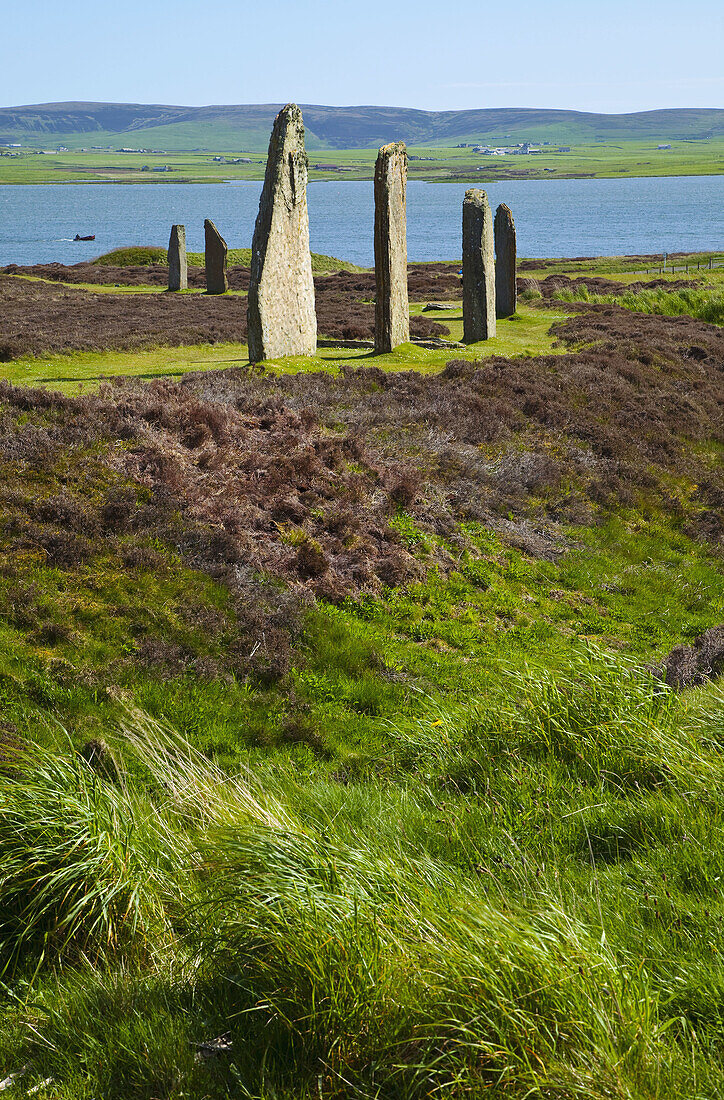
{"type": "Point", "coordinates": [133, 255]}
{"type": "Point", "coordinates": [466, 847]}
{"type": "Point", "coordinates": [705, 304]}
{"type": "Point", "coordinates": [631, 268]}
{"type": "Point", "coordinates": [604, 159]}
{"type": "Point", "coordinates": [525, 334]}
{"type": "Point", "coordinates": [487, 863]}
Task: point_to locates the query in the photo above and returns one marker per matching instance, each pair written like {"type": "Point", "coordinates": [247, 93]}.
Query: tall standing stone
{"type": "Point", "coordinates": [215, 251]}
{"type": "Point", "coordinates": [506, 294]}
{"type": "Point", "coordinates": [392, 312]}
{"type": "Point", "coordinates": [177, 266]}
{"type": "Point", "coordinates": [280, 312]}
{"type": "Point", "coordinates": [478, 268]}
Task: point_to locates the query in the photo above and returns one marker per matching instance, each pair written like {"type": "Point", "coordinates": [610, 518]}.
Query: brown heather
{"type": "Point", "coordinates": [296, 477]}
{"type": "Point", "coordinates": [41, 318]}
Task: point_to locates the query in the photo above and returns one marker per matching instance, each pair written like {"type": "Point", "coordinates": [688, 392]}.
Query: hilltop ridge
{"type": "Point", "coordinates": [247, 125]}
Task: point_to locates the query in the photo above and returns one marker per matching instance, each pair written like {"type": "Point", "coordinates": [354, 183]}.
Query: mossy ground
{"type": "Point", "coordinates": [525, 334]}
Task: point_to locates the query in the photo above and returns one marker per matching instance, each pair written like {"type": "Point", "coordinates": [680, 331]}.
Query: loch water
{"type": "Point", "coordinates": [601, 217]}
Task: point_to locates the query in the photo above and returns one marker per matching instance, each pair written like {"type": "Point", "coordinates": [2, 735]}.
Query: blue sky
{"type": "Point", "coordinates": [611, 56]}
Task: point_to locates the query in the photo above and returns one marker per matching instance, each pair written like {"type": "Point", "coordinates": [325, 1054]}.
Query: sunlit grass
{"type": "Point", "coordinates": [525, 334]}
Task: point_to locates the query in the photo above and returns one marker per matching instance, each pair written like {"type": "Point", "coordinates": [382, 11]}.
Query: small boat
{"type": "Point", "coordinates": [78, 237]}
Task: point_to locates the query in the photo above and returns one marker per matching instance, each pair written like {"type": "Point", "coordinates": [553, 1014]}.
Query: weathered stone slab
{"type": "Point", "coordinates": [392, 311]}
{"type": "Point", "coordinates": [281, 317]}
{"type": "Point", "coordinates": [215, 252]}
{"type": "Point", "coordinates": [506, 295]}
{"type": "Point", "coordinates": [177, 265]}
{"type": "Point", "coordinates": [478, 268]}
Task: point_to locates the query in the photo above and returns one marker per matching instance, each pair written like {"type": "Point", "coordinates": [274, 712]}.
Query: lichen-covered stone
{"type": "Point", "coordinates": [506, 295]}
{"type": "Point", "coordinates": [478, 268]}
{"type": "Point", "coordinates": [392, 312]}
{"type": "Point", "coordinates": [281, 316]}
{"type": "Point", "coordinates": [215, 252]}
{"type": "Point", "coordinates": [177, 264]}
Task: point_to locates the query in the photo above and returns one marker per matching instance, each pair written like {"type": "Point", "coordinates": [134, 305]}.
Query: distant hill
{"type": "Point", "coordinates": [246, 127]}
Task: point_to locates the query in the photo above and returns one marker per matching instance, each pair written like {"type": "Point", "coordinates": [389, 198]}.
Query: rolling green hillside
{"type": "Point", "coordinates": [247, 126]}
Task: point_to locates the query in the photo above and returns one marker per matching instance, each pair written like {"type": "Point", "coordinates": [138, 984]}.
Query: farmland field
{"type": "Point", "coordinates": [595, 160]}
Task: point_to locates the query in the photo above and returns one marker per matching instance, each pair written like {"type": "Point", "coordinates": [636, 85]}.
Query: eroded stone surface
{"type": "Point", "coordinates": [392, 312]}
{"type": "Point", "coordinates": [281, 317]}
{"type": "Point", "coordinates": [506, 297]}
{"type": "Point", "coordinates": [177, 265]}
{"type": "Point", "coordinates": [478, 268]}
{"type": "Point", "coordinates": [215, 252]}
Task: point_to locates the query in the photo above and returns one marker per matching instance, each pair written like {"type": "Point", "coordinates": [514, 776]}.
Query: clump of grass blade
{"type": "Point", "coordinates": [83, 861]}
{"type": "Point", "coordinates": [388, 972]}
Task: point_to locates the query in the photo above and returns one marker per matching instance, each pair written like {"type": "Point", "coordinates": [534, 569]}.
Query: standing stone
{"type": "Point", "coordinates": [280, 313]}
{"type": "Point", "coordinates": [478, 268]}
{"type": "Point", "coordinates": [177, 266]}
{"type": "Point", "coordinates": [392, 313]}
{"type": "Point", "coordinates": [215, 251]}
{"type": "Point", "coordinates": [506, 294]}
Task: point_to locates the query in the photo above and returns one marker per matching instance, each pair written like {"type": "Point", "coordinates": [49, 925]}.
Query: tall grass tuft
{"type": "Point", "coordinates": [702, 304]}
{"type": "Point", "coordinates": [83, 861]}
{"type": "Point", "coordinates": [375, 969]}
{"type": "Point", "coordinates": [351, 955]}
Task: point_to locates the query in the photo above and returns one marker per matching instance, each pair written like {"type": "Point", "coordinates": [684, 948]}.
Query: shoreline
{"type": "Point", "coordinates": [471, 178]}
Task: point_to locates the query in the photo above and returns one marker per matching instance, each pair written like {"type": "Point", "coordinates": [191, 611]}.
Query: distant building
{"type": "Point", "coordinates": [564, 149]}
{"type": "Point", "coordinates": [664, 146]}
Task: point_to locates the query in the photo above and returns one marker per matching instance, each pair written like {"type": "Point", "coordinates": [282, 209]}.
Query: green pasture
{"type": "Point", "coordinates": [707, 267]}
{"type": "Point", "coordinates": [594, 160]}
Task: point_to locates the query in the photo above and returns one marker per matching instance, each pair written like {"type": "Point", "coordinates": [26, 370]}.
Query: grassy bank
{"type": "Point", "coordinates": [334, 761]}
{"type": "Point", "coordinates": [486, 862]}
{"type": "Point", "coordinates": [143, 255]}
